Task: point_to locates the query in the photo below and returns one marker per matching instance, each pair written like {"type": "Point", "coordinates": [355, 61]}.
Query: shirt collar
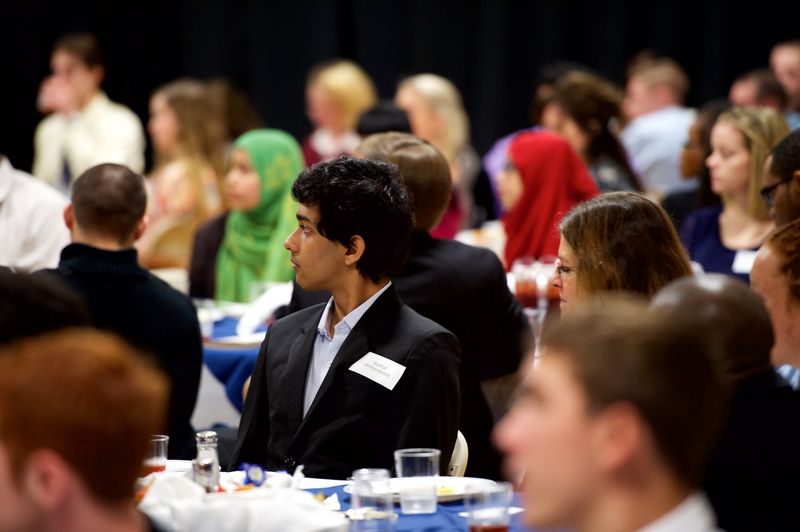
{"type": "Point", "coordinates": [693, 514]}
{"type": "Point", "coordinates": [348, 322]}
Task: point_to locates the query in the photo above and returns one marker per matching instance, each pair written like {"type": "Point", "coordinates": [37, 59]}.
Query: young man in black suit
{"type": "Point", "coordinates": [341, 385]}
{"type": "Point", "coordinates": [461, 287]}
{"type": "Point", "coordinates": [106, 216]}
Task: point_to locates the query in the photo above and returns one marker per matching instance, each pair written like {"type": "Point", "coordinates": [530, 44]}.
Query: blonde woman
{"type": "Point", "coordinates": [724, 239]}
{"type": "Point", "coordinates": [188, 142]}
{"type": "Point", "coordinates": [437, 114]}
{"type": "Point", "coordinates": [337, 93]}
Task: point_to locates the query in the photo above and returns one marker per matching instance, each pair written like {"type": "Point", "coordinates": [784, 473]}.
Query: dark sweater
{"type": "Point", "coordinates": [128, 300]}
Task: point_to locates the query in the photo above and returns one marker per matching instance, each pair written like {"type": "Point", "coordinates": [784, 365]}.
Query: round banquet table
{"type": "Point", "coordinates": [231, 365]}
{"type": "Point", "coordinates": [446, 517]}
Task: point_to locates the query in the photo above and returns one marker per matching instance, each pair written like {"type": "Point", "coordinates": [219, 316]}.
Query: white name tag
{"type": "Point", "coordinates": [743, 262]}
{"type": "Point", "coordinates": [379, 369]}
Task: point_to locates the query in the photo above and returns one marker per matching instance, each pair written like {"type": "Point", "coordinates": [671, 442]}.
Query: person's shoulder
{"type": "Point", "coordinates": [414, 326]}
{"type": "Point", "coordinates": [29, 187]}
{"type": "Point", "coordinates": [295, 320]}
{"type": "Point", "coordinates": [214, 224]}
{"type": "Point", "coordinates": [463, 256]}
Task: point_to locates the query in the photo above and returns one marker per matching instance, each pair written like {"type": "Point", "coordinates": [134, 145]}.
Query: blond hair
{"type": "Point", "coordinates": [348, 85]}
{"type": "Point", "coordinates": [762, 128]}
{"type": "Point", "coordinates": [445, 101]}
{"type": "Point", "coordinates": [663, 71]}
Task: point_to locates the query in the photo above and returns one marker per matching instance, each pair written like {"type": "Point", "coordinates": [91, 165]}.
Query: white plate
{"type": "Point", "coordinates": [448, 488]}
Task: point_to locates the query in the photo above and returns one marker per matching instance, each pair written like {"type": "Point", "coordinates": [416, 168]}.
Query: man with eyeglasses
{"type": "Point", "coordinates": [781, 179]}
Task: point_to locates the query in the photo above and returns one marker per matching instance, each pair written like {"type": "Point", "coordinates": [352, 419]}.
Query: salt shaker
{"type": "Point", "coordinates": [206, 465]}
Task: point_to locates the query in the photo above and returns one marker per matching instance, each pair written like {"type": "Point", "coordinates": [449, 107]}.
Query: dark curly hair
{"type": "Point", "coordinates": [364, 198]}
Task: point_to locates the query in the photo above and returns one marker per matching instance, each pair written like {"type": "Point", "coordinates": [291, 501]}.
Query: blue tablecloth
{"type": "Point", "coordinates": [445, 518]}
{"type": "Point", "coordinates": [231, 365]}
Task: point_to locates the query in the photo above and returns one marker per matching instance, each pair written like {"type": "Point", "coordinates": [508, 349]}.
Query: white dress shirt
{"type": "Point", "coordinates": [654, 142]}
{"type": "Point", "coordinates": [326, 347]}
{"type": "Point", "coordinates": [32, 229]}
{"type": "Point", "coordinates": [102, 132]}
{"type": "Point", "coordinates": [694, 514]}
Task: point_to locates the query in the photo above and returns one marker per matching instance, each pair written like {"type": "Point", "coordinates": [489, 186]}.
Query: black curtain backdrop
{"type": "Point", "coordinates": [491, 49]}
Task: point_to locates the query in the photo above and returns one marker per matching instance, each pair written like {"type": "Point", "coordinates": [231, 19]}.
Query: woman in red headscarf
{"type": "Point", "coordinates": [543, 179]}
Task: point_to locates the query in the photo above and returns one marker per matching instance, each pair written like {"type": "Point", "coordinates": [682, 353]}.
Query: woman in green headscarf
{"type": "Point", "coordinates": [249, 239]}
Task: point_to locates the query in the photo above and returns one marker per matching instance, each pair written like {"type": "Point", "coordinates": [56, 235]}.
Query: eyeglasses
{"type": "Point", "coordinates": [768, 192]}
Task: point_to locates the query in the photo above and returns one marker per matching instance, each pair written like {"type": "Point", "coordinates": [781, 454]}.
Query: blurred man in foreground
{"type": "Point", "coordinates": [600, 429]}
{"type": "Point", "coordinates": [77, 409]}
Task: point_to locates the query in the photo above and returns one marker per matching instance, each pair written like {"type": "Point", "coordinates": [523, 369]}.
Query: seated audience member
{"type": "Point", "coordinates": [612, 430]}
{"type": "Point", "coordinates": [337, 92]}
{"type": "Point", "coordinates": [245, 245]}
{"type": "Point", "coordinates": [34, 304]}
{"type": "Point", "coordinates": [784, 59]}
{"type": "Point", "coordinates": [781, 180]}
{"type": "Point", "coordinates": [105, 217]}
{"type": "Point", "coordinates": [776, 278]}
{"type": "Point", "coordinates": [658, 124]}
{"type": "Point", "coordinates": [383, 117]}
{"type": "Point", "coordinates": [584, 110]}
{"type": "Point", "coordinates": [756, 456]}
{"type": "Point", "coordinates": [186, 128]}
{"type": "Point", "coordinates": [459, 287]}
{"type": "Point", "coordinates": [436, 113]}
{"type": "Point", "coordinates": [543, 179]}
{"type": "Point", "coordinates": [77, 409]}
{"type": "Point", "coordinates": [84, 127]}
{"type": "Point", "coordinates": [760, 88]}
{"type": "Point", "coordinates": [693, 165]}
{"type": "Point", "coordinates": [724, 239]}
{"type": "Point", "coordinates": [32, 233]}
{"type": "Point", "coordinates": [617, 242]}
{"type": "Point", "coordinates": [315, 398]}
{"type": "Point", "coordinates": [495, 159]}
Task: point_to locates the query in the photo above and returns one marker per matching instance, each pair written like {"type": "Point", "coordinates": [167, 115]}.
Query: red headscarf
{"type": "Point", "coordinates": [554, 179]}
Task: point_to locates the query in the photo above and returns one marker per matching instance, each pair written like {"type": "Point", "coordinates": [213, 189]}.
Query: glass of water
{"type": "Point", "coordinates": [373, 507]}
{"type": "Point", "coordinates": [417, 471]}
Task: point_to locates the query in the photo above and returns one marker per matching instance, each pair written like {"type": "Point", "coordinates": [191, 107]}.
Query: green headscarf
{"type": "Point", "coordinates": [252, 249]}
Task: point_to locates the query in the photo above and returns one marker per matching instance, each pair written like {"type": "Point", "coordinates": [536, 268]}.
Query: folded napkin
{"type": "Point", "coordinates": [178, 504]}
{"type": "Point", "coordinates": [262, 308]}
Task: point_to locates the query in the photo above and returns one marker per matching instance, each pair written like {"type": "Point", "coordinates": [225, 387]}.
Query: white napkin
{"type": "Point", "coordinates": [178, 504]}
{"type": "Point", "coordinates": [262, 308]}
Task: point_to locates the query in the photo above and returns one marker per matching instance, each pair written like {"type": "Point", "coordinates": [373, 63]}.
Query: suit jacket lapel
{"type": "Point", "coordinates": [299, 357]}
{"type": "Point", "coordinates": [356, 346]}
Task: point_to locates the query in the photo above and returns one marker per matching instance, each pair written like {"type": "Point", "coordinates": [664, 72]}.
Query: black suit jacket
{"type": "Point", "coordinates": [128, 300]}
{"type": "Point", "coordinates": [463, 288]}
{"type": "Point", "coordinates": [754, 469]}
{"type": "Point", "coordinates": [353, 421]}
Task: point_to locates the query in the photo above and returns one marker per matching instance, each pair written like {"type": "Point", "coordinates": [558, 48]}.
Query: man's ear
{"type": "Point", "coordinates": [142, 225]}
{"type": "Point", "coordinates": [69, 216]}
{"type": "Point", "coordinates": [98, 73]}
{"type": "Point", "coordinates": [619, 436]}
{"type": "Point", "coordinates": [47, 477]}
{"type": "Point", "coordinates": [354, 251]}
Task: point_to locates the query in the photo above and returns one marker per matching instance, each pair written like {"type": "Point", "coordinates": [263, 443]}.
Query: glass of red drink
{"type": "Point", "coordinates": [487, 507]}
{"type": "Point", "coordinates": [156, 459]}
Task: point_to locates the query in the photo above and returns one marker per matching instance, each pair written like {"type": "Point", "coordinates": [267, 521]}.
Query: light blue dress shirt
{"type": "Point", "coordinates": [326, 346]}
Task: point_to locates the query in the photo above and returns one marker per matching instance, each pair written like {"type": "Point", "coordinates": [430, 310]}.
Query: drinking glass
{"type": "Point", "coordinates": [156, 459]}
{"type": "Point", "coordinates": [417, 471]}
{"type": "Point", "coordinates": [487, 507]}
{"type": "Point", "coordinates": [373, 508]}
